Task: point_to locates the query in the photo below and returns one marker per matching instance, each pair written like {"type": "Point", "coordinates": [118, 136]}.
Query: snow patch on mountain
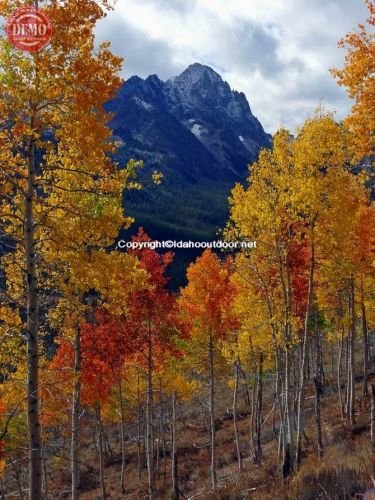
{"type": "Point", "coordinates": [145, 105]}
{"type": "Point", "coordinates": [198, 130]}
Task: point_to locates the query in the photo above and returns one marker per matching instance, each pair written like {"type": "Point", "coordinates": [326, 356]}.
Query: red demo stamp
{"type": "Point", "coordinates": [29, 29]}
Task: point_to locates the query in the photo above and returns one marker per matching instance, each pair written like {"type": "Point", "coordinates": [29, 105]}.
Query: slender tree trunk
{"type": "Point", "coordinates": [318, 391]}
{"type": "Point", "coordinates": [309, 362]}
{"type": "Point", "coordinates": [245, 393]}
{"type": "Point", "coordinates": [341, 345]}
{"type": "Point", "coordinates": [149, 419]}
{"type": "Point", "coordinates": [101, 451]}
{"type": "Point", "coordinates": [252, 418]}
{"type": "Point", "coordinates": [318, 388]}
{"type": "Point", "coordinates": [159, 447]}
{"type": "Point", "coordinates": [35, 456]}
{"type": "Point", "coordinates": [122, 434]}
{"type": "Point", "coordinates": [347, 368]}
{"type": "Point", "coordinates": [107, 445]}
{"type": "Point", "coordinates": [296, 359]}
{"type": "Point", "coordinates": [287, 463]}
{"type": "Point", "coordinates": [157, 472]}
{"type": "Point", "coordinates": [18, 481]}
{"type": "Point", "coordinates": [44, 470]}
{"type": "Point", "coordinates": [76, 404]}
{"type": "Point", "coordinates": [301, 392]}
{"type": "Point", "coordinates": [44, 460]}
{"type": "Point", "coordinates": [212, 412]}
{"type": "Point", "coordinates": [162, 432]}
{"type": "Point", "coordinates": [350, 399]}
{"type": "Point", "coordinates": [373, 417]}
{"type": "Point", "coordinates": [365, 345]}
{"type": "Point", "coordinates": [278, 383]}
{"type": "Point", "coordinates": [352, 347]}
{"type": "Point", "coordinates": [236, 435]}
{"type": "Point", "coordinates": [332, 356]}
{"type": "Point", "coordinates": [175, 485]}
{"type": "Point", "coordinates": [138, 431]}
{"type": "Point", "coordinates": [287, 293]}
{"type": "Point", "coordinates": [258, 413]}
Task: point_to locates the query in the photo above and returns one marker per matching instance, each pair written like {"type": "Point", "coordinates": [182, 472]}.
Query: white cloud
{"type": "Point", "coordinates": [278, 52]}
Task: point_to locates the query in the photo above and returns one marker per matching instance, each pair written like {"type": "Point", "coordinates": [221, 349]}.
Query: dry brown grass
{"type": "Point", "coordinates": [347, 466]}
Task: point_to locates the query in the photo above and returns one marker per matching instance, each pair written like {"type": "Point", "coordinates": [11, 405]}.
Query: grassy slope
{"type": "Point", "coordinates": [347, 466]}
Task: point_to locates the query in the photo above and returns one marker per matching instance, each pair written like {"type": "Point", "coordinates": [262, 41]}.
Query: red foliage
{"type": "Point", "coordinates": [208, 298]}
{"type": "Point", "coordinates": [152, 312]}
{"type": "Point", "coordinates": [105, 345]}
{"type": "Point", "coordinates": [109, 341]}
{"type": "Point", "coordinates": [299, 260]}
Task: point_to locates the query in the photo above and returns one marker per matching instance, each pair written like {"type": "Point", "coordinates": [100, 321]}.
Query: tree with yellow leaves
{"type": "Point", "coordinates": [61, 193]}
{"type": "Point", "coordinates": [357, 75]}
{"type": "Point", "coordinates": [291, 189]}
{"type": "Point", "coordinates": [347, 272]}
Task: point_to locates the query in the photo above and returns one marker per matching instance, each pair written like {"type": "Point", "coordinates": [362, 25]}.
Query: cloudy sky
{"type": "Point", "coordinates": [276, 51]}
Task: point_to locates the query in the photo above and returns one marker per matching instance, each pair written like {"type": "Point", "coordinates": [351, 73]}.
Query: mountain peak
{"type": "Point", "coordinates": [197, 73]}
{"type": "Point", "coordinates": [209, 115]}
{"type": "Point", "coordinates": [200, 134]}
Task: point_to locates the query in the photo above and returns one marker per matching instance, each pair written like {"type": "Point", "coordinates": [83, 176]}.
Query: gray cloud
{"type": "Point", "coordinates": [142, 55]}
{"type": "Point", "coordinates": [255, 47]}
{"type": "Point", "coordinates": [278, 53]}
{"type": "Point", "coordinates": [175, 5]}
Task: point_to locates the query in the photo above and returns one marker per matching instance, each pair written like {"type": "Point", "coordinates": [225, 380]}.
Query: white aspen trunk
{"type": "Point", "coordinates": [138, 431]}
{"type": "Point", "coordinates": [341, 402]}
{"type": "Point", "coordinates": [149, 420]}
{"type": "Point", "coordinates": [122, 434]}
{"type": "Point", "coordinates": [279, 404]}
{"type": "Point", "coordinates": [301, 391]}
{"type": "Point", "coordinates": [258, 413]}
{"type": "Point", "coordinates": [318, 390]}
{"type": "Point", "coordinates": [212, 412]}
{"type": "Point", "coordinates": [352, 374]}
{"type": "Point", "coordinates": [162, 431]}
{"type": "Point", "coordinates": [18, 482]}
{"type": "Point", "coordinates": [287, 464]}
{"type": "Point", "coordinates": [236, 435]}
{"type": "Point", "coordinates": [373, 417]}
{"type": "Point", "coordinates": [175, 485]}
{"type": "Point", "coordinates": [44, 462]}
{"type": "Point", "coordinates": [365, 345]}
{"type": "Point", "coordinates": [76, 404]}
{"type": "Point", "coordinates": [347, 368]}
{"type": "Point", "coordinates": [101, 452]}
{"type": "Point", "coordinates": [33, 424]}
{"type": "Point", "coordinates": [252, 418]}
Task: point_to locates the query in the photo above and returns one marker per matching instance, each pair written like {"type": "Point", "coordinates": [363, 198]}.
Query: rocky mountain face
{"type": "Point", "coordinates": [191, 127]}
{"type": "Point", "coordinates": [200, 134]}
{"type": "Point", "coordinates": [219, 118]}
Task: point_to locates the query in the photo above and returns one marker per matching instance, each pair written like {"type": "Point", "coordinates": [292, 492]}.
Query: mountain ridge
{"type": "Point", "coordinates": [200, 134]}
{"type": "Point", "coordinates": [204, 104]}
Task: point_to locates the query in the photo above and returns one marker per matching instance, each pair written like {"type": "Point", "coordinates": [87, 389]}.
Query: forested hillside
{"type": "Point", "coordinates": [201, 136]}
{"type": "Point", "coordinates": [254, 380]}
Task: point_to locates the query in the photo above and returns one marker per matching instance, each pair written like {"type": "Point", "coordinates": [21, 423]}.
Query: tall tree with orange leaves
{"type": "Point", "coordinates": [61, 194]}
{"type": "Point", "coordinates": [358, 76]}
{"type": "Point", "coordinates": [207, 303]}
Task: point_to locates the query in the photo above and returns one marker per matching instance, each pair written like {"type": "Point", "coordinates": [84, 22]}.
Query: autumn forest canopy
{"type": "Point", "coordinates": [114, 386]}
